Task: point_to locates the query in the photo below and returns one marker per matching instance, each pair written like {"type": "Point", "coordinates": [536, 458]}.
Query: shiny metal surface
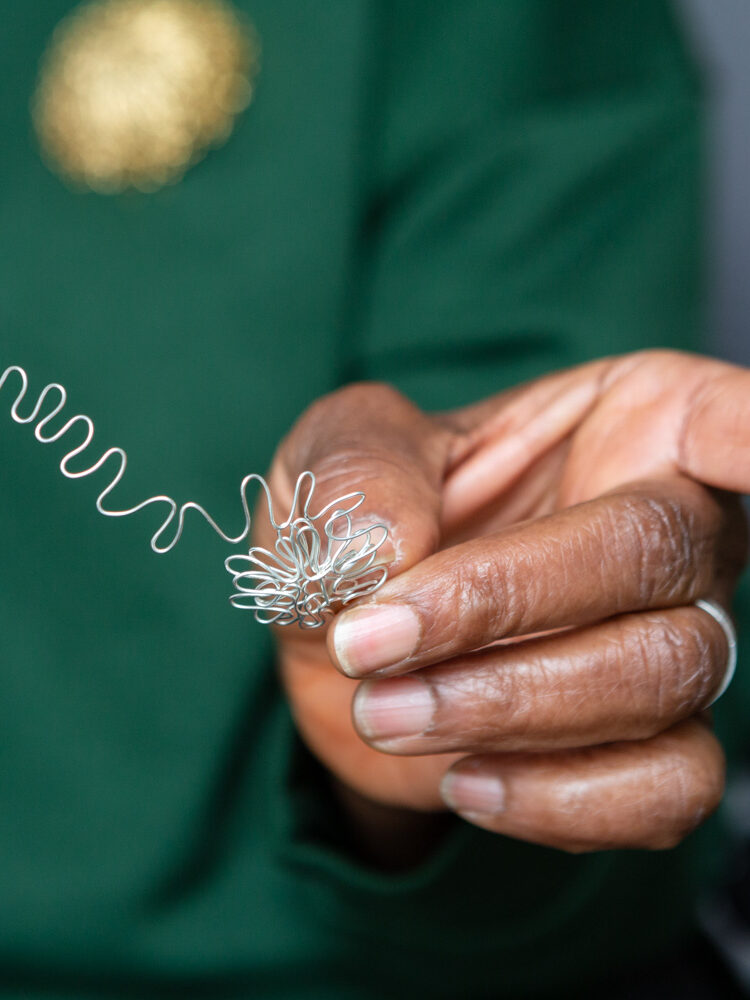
{"type": "Point", "coordinates": [319, 562]}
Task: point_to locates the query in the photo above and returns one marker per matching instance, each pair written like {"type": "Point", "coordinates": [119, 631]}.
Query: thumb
{"type": "Point", "coordinates": [369, 438]}
{"type": "Point", "coordinates": [715, 439]}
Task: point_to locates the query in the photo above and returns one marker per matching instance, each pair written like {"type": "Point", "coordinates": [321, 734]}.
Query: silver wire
{"type": "Point", "coordinates": [305, 578]}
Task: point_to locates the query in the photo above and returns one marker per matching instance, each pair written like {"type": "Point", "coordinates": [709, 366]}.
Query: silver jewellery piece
{"type": "Point", "coordinates": [720, 615]}
{"type": "Point", "coordinates": [320, 561]}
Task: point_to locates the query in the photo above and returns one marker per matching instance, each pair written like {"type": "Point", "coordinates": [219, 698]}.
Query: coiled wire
{"type": "Point", "coordinates": [302, 581]}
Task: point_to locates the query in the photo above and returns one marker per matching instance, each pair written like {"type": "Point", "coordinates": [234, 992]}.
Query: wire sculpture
{"type": "Point", "coordinates": [306, 578]}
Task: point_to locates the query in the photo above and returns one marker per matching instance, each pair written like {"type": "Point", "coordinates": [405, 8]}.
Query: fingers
{"type": "Point", "coordinates": [649, 794]}
{"type": "Point", "coordinates": [642, 415]}
{"type": "Point", "coordinates": [652, 546]}
{"type": "Point", "coordinates": [626, 679]}
{"type": "Point", "coordinates": [370, 438]}
{"type": "Point", "coordinates": [506, 435]}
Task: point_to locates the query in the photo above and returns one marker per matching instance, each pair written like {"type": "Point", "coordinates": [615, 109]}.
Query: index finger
{"type": "Point", "coordinates": [652, 545]}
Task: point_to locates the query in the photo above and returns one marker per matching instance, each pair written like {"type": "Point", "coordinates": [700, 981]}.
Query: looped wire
{"type": "Point", "coordinates": [306, 576]}
{"type": "Point", "coordinates": [302, 581]}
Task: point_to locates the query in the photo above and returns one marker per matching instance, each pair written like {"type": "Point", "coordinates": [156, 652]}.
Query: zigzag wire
{"type": "Point", "coordinates": [299, 584]}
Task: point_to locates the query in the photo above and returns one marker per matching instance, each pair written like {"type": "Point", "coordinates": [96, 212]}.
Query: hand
{"type": "Point", "coordinates": [570, 510]}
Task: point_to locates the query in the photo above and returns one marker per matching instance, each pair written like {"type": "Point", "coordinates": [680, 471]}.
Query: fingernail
{"type": "Point", "coordinates": [386, 553]}
{"type": "Point", "coordinates": [391, 708]}
{"type": "Point", "coordinates": [369, 638]}
{"type": "Point", "coordinates": [464, 792]}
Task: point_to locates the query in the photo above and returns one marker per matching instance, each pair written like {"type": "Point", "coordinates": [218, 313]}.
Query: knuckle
{"type": "Point", "coordinates": [664, 544]}
{"type": "Point", "coordinates": [683, 795]}
{"type": "Point", "coordinates": [472, 595]}
{"type": "Point", "coordinates": [472, 601]}
{"type": "Point", "coordinates": [671, 792]}
{"type": "Point", "coordinates": [678, 658]}
{"type": "Point", "coordinates": [497, 707]}
{"type": "Point", "coordinates": [485, 602]}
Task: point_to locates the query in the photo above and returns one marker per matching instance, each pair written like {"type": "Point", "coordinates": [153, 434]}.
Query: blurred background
{"type": "Point", "coordinates": [720, 32]}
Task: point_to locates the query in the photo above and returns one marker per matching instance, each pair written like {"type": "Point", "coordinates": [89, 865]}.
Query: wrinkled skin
{"type": "Point", "coordinates": [586, 510]}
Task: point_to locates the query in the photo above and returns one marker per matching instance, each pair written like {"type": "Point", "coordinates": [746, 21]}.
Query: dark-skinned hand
{"type": "Point", "coordinates": [535, 661]}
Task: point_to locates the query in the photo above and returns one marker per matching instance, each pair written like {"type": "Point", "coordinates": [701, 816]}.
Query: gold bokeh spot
{"type": "Point", "coordinates": [132, 92]}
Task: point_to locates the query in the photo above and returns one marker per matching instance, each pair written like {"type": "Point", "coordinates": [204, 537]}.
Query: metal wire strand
{"type": "Point", "coordinates": [321, 562]}
{"type": "Point", "coordinates": [306, 578]}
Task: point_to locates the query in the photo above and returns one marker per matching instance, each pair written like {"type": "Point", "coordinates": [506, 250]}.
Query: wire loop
{"type": "Point", "coordinates": [306, 578]}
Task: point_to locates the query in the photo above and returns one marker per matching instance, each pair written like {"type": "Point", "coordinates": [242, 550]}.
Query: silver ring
{"type": "Point", "coordinates": [719, 614]}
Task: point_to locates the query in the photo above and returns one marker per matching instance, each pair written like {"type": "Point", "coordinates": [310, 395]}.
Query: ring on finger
{"type": "Point", "coordinates": [719, 614]}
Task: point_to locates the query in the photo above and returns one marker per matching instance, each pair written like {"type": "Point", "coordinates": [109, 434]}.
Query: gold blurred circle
{"type": "Point", "coordinates": [132, 92]}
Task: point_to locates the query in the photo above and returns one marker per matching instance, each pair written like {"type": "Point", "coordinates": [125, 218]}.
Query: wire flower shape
{"type": "Point", "coordinates": [305, 579]}
{"type": "Point", "coordinates": [320, 562]}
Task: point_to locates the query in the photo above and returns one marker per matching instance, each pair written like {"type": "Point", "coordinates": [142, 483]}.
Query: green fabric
{"type": "Point", "coordinates": [452, 196]}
